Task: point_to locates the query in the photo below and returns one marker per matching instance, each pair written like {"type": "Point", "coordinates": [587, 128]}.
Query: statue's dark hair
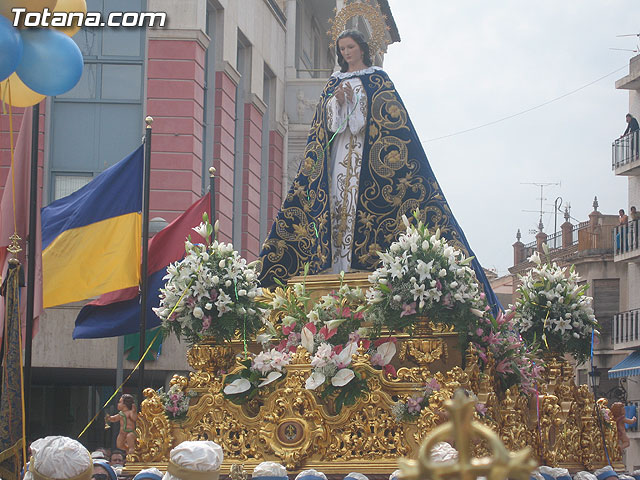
{"type": "Point", "coordinates": [362, 43]}
{"type": "Point", "coordinates": [127, 400]}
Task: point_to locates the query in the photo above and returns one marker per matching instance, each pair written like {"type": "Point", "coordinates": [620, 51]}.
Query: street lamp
{"type": "Point", "coordinates": [594, 375]}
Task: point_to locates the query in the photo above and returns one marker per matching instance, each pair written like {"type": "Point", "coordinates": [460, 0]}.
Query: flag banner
{"type": "Point", "coordinates": [14, 218]}
{"type": "Point", "coordinates": [11, 399]}
{"type": "Point", "coordinates": [118, 313]}
{"type": "Point", "coordinates": [91, 239]}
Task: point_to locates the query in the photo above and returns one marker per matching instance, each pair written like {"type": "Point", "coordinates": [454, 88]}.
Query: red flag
{"type": "Point", "coordinates": [14, 217]}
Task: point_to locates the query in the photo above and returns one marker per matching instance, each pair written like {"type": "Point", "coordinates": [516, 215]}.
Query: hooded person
{"type": "Point", "coordinates": [59, 458]}
{"type": "Point", "coordinates": [269, 471]}
{"type": "Point", "coordinates": [584, 475]}
{"type": "Point", "coordinates": [311, 474]}
{"type": "Point", "coordinates": [605, 473]}
{"type": "Point", "coordinates": [102, 467]}
{"type": "Point", "coordinates": [148, 474]}
{"type": "Point", "coordinates": [195, 460]}
{"type": "Point", "coordinates": [356, 476]}
{"type": "Point", "coordinates": [551, 473]}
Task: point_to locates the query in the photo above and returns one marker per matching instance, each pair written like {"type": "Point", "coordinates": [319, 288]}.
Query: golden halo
{"type": "Point", "coordinates": [377, 22]}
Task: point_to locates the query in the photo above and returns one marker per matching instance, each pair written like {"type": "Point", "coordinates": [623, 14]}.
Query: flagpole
{"type": "Point", "coordinates": [212, 192]}
{"type": "Point", "coordinates": [31, 260]}
{"type": "Point", "coordinates": [145, 252]}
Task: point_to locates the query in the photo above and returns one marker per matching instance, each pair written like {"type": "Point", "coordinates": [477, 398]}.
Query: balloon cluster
{"type": "Point", "coordinates": [38, 62]}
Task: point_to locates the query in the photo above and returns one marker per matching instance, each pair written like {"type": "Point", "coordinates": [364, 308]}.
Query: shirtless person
{"type": "Point", "coordinates": [127, 416]}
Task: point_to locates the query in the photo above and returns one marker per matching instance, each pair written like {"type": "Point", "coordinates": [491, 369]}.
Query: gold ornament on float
{"type": "Point", "coordinates": [371, 13]}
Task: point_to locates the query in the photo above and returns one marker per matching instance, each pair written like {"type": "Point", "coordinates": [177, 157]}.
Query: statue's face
{"type": "Point", "coordinates": [350, 50]}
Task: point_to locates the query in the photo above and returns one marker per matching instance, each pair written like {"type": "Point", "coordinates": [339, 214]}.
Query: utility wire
{"type": "Point", "coordinates": [527, 110]}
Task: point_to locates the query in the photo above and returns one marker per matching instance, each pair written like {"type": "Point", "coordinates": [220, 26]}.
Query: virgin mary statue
{"type": "Point", "coordinates": [363, 169]}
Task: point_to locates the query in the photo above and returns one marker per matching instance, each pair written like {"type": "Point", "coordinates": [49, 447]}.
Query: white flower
{"type": "Point", "coordinates": [198, 313]}
{"type": "Point", "coordinates": [345, 356]}
{"type": "Point", "coordinates": [208, 306]}
{"type": "Point", "coordinates": [314, 381]}
{"type": "Point", "coordinates": [201, 230]}
{"type": "Point", "coordinates": [272, 377]}
{"type": "Point", "coordinates": [343, 377]}
{"type": "Point", "coordinates": [387, 350]}
{"type": "Point", "coordinates": [264, 338]}
{"type": "Point", "coordinates": [307, 339]}
{"type": "Point", "coordinates": [222, 263]}
{"type": "Point", "coordinates": [242, 292]}
{"type": "Point", "coordinates": [239, 385]}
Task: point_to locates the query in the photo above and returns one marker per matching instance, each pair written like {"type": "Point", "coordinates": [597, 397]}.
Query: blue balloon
{"type": "Point", "coordinates": [10, 48]}
{"type": "Point", "coordinates": [52, 62]}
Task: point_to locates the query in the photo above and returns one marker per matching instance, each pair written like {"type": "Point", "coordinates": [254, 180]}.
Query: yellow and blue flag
{"type": "Point", "coordinates": [91, 240]}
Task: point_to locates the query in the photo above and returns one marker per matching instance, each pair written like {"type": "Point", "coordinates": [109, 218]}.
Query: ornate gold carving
{"type": "Point", "coordinates": [294, 426]}
{"type": "Point", "coordinates": [501, 465]}
{"type": "Point", "coordinates": [423, 352]}
{"type": "Point", "coordinates": [371, 13]}
{"type": "Point", "coordinates": [154, 438]}
{"type": "Point", "coordinates": [210, 358]}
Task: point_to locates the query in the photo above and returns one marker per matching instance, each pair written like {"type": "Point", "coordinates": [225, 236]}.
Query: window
{"type": "Point", "coordinates": [100, 120]}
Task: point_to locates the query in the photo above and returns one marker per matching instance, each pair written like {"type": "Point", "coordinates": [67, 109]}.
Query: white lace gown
{"type": "Point", "coordinates": [349, 121]}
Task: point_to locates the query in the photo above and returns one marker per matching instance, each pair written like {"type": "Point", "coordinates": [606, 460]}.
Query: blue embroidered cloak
{"type": "Point", "coordinates": [395, 180]}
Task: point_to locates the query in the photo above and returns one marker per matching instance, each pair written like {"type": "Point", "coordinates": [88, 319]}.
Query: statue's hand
{"type": "Point", "coordinates": [340, 94]}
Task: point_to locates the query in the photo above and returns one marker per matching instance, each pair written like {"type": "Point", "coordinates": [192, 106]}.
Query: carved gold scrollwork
{"type": "Point", "coordinates": [423, 351]}
{"type": "Point", "coordinates": [153, 431]}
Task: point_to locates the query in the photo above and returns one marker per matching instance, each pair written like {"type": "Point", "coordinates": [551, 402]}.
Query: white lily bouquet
{"type": "Point", "coordinates": [210, 293]}
{"type": "Point", "coordinates": [258, 372]}
{"type": "Point", "coordinates": [421, 275]}
{"type": "Point", "coordinates": [554, 311]}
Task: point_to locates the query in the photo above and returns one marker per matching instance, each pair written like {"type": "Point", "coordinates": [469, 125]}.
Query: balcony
{"type": "Point", "coordinates": [626, 330]}
{"type": "Point", "coordinates": [626, 246]}
{"type": "Point", "coordinates": [625, 159]}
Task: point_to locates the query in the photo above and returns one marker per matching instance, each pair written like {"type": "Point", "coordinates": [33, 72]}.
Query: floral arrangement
{"type": "Point", "coordinates": [422, 275]}
{"type": "Point", "coordinates": [258, 372]}
{"type": "Point", "coordinates": [210, 293]}
{"type": "Point", "coordinates": [499, 339]}
{"type": "Point", "coordinates": [331, 331]}
{"type": "Point", "coordinates": [175, 401]}
{"type": "Point", "coordinates": [410, 409]}
{"type": "Point", "coordinates": [554, 311]}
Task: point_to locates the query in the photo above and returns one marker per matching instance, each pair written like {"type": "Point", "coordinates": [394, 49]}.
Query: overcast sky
{"type": "Point", "coordinates": [465, 63]}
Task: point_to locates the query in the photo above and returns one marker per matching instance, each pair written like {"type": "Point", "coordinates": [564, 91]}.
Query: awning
{"type": "Point", "coordinates": [628, 367]}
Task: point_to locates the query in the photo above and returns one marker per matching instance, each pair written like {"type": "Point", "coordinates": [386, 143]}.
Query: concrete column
{"type": "Point", "coordinates": [567, 234]}
{"type": "Point", "coordinates": [518, 250]}
{"type": "Point", "coordinates": [541, 239]}
{"type": "Point", "coordinates": [290, 40]}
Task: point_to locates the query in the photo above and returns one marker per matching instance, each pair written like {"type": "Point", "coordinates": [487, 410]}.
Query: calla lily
{"type": "Point", "coordinates": [239, 385]}
{"type": "Point", "coordinates": [306, 339]}
{"type": "Point", "coordinates": [314, 381]}
{"type": "Point", "coordinates": [333, 324]}
{"type": "Point", "coordinates": [344, 358]}
{"type": "Point", "coordinates": [387, 351]}
{"type": "Point", "coordinates": [343, 377]}
{"type": "Point", "coordinates": [272, 377]}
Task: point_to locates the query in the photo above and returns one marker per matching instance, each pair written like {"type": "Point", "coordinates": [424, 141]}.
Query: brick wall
{"type": "Point", "coordinates": [251, 169]}
{"type": "Point", "coordinates": [175, 100]}
{"type": "Point", "coordinates": [276, 165]}
{"type": "Point", "coordinates": [223, 151]}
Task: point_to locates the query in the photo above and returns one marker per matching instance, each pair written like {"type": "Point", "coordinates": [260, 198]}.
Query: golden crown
{"type": "Point", "coordinates": [371, 13]}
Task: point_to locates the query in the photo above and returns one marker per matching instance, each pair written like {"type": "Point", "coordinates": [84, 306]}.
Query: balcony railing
{"type": "Point", "coordinates": [554, 241]}
{"type": "Point", "coordinates": [625, 150]}
{"type": "Point", "coordinates": [626, 329]}
{"type": "Point", "coordinates": [625, 240]}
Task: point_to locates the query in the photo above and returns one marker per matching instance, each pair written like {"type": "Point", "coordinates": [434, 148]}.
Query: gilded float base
{"type": "Point", "coordinates": [293, 426]}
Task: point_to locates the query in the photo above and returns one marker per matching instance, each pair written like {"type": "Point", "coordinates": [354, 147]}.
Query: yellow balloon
{"type": "Point", "coordinates": [29, 5]}
{"type": "Point", "coordinates": [68, 6]}
{"type": "Point", "coordinates": [21, 95]}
